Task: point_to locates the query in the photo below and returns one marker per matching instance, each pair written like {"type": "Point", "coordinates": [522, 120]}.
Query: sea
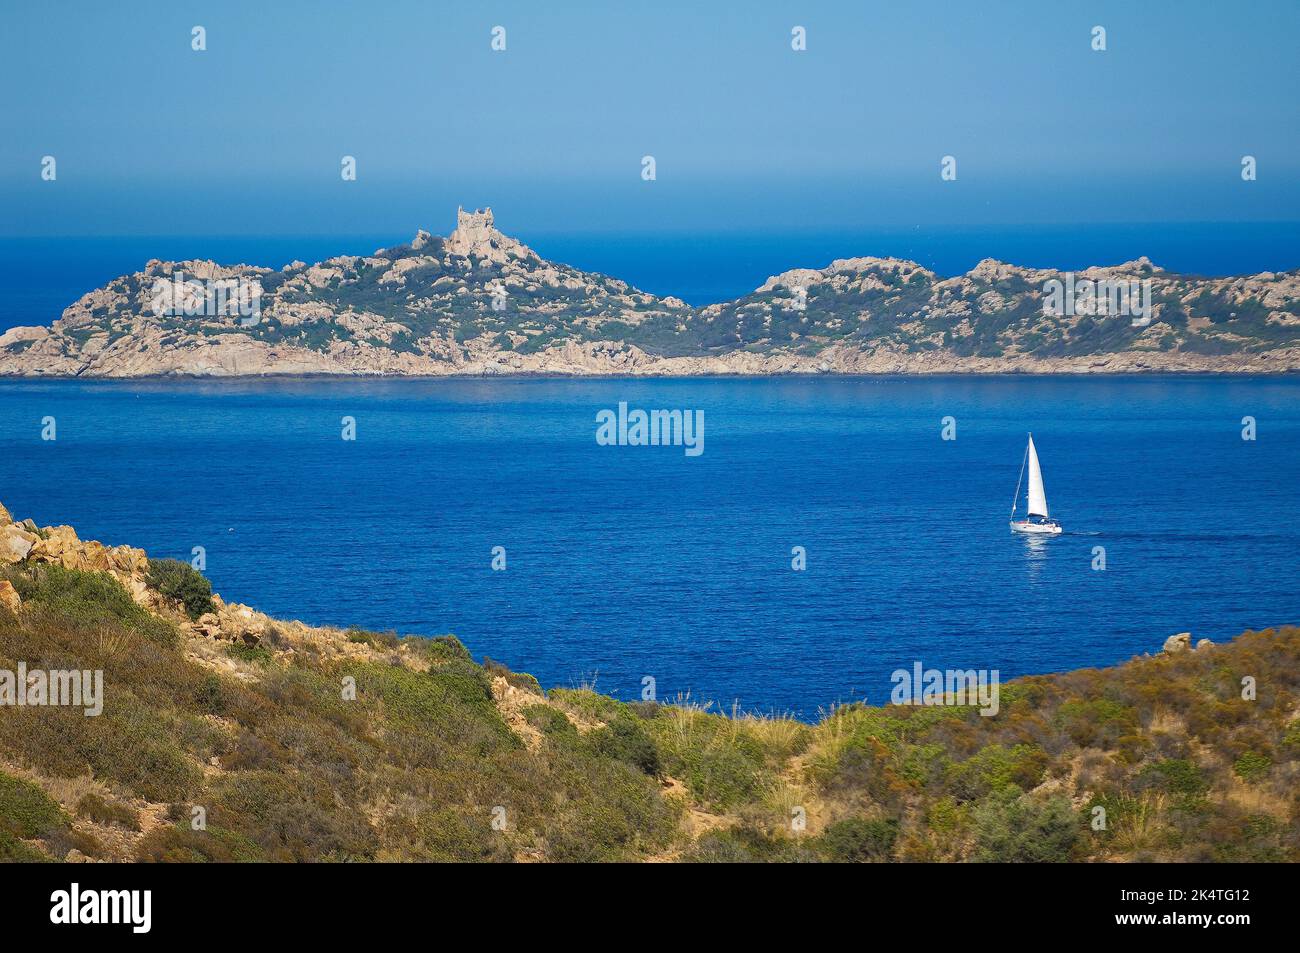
{"type": "Point", "coordinates": [828, 535]}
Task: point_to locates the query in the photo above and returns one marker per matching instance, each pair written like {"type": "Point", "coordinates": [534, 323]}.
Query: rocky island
{"type": "Point", "coordinates": [480, 302]}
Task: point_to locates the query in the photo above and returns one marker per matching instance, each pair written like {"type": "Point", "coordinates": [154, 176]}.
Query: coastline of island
{"type": "Point", "coordinates": [479, 303]}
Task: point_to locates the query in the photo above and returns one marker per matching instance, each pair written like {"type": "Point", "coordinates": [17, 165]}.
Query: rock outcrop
{"type": "Point", "coordinates": [476, 236]}
{"type": "Point", "coordinates": [27, 542]}
{"type": "Point", "coordinates": [16, 541]}
{"type": "Point", "coordinates": [234, 623]}
{"type": "Point", "coordinates": [9, 598]}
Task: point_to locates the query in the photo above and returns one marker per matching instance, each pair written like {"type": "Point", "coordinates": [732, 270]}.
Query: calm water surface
{"type": "Point", "coordinates": [633, 561]}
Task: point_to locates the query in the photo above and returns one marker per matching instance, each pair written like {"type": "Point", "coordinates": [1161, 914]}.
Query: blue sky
{"type": "Point", "coordinates": [246, 138]}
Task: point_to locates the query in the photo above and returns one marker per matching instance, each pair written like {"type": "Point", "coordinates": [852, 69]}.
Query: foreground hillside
{"type": "Point", "coordinates": [480, 302]}
{"type": "Point", "coordinates": [217, 712]}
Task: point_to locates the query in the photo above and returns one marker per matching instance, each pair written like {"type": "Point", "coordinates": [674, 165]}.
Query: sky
{"type": "Point", "coordinates": [246, 137]}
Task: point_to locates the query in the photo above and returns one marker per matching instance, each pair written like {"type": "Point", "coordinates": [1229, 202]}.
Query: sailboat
{"type": "Point", "coordinates": [1037, 520]}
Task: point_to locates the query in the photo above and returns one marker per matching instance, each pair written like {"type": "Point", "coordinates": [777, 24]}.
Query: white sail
{"type": "Point", "coordinates": [1037, 498]}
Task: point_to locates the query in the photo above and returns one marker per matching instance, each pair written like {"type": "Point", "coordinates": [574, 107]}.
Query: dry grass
{"type": "Point", "coordinates": [1256, 800]}
{"type": "Point", "coordinates": [686, 715]}
{"type": "Point", "coordinates": [777, 732]}
{"type": "Point", "coordinates": [1140, 822]}
{"type": "Point", "coordinates": [832, 734]}
{"type": "Point", "coordinates": [112, 642]}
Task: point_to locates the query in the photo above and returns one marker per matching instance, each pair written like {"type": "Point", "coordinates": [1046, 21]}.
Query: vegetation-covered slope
{"type": "Point", "coordinates": [249, 724]}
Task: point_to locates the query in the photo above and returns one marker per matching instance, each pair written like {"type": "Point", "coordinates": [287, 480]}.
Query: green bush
{"type": "Point", "coordinates": [857, 840]}
{"type": "Point", "coordinates": [445, 835]}
{"type": "Point", "coordinates": [1012, 828]}
{"type": "Point", "coordinates": [443, 647]}
{"type": "Point", "coordinates": [721, 771]}
{"type": "Point", "coordinates": [996, 768]}
{"type": "Point", "coordinates": [607, 811]}
{"type": "Point", "coordinates": [211, 696]}
{"type": "Point", "coordinates": [253, 654]}
{"type": "Point", "coordinates": [95, 808]}
{"type": "Point", "coordinates": [182, 845]}
{"type": "Point", "coordinates": [625, 740]}
{"type": "Point", "coordinates": [720, 847]}
{"type": "Point", "coordinates": [550, 721]}
{"type": "Point", "coordinates": [520, 680]}
{"type": "Point", "coordinates": [588, 704]}
{"type": "Point", "coordinates": [1252, 766]}
{"type": "Point", "coordinates": [1237, 837]}
{"type": "Point", "coordinates": [744, 844]}
{"type": "Point", "coordinates": [290, 815]}
{"type": "Point", "coordinates": [15, 851]}
{"type": "Point", "coordinates": [1096, 722]}
{"type": "Point", "coordinates": [26, 811]}
{"type": "Point", "coordinates": [447, 704]}
{"type": "Point", "coordinates": [385, 640]}
{"type": "Point", "coordinates": [1176, 776]}
{"type": "Point", "coordinates": [182, 582]}
{"type": "Point", "coordinates": [88, 602]}
{"type": "Point", "coordinates": [140, 750]}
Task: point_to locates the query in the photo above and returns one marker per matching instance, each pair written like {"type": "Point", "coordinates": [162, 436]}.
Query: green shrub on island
{"type": "Point", "coordinates": [520, 680]}
{"type": "Point", "coordinates": [623, 739]}
{"type": "Point", "coordinates": [87, 602]}
{"type": "Point", "coordinates": [26, 810]}
{"type": "Point", "coordinates": [387, 640]}
{"type": "Point", "coordinates": [1252, 766]}
{"type": "Point", "coordinates": [95, 808]}
{"type": "Point", "coordinates": [1013, 828]}
{"type": "Point", "coordinates": [860, 840]}
{"type": "Point", "coordinates": [180, 581]}
{"type": "Point", "coordinates": [253, 654]}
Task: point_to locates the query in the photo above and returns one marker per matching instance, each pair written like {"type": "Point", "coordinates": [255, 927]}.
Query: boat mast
{"type": "Point", "coordinates": [1015, 499]}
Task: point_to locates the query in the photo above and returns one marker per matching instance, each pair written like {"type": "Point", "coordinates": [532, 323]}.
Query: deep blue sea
{"type": "Point", "coordinates": [624, 562]}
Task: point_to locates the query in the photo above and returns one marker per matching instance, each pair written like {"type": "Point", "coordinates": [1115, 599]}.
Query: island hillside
{"type": "Point", "coordinates": [479, 302]}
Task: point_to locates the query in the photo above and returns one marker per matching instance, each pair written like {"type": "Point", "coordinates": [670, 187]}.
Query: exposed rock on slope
{"type": "Point", "coordinates": [9, 598]}
{"type": "Point", "coordinates": [59, 545]}
{"type": "Point", "coordinates": [480, 302]}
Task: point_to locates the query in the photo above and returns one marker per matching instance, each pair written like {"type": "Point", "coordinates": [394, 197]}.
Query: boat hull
{"type": "Point", "coordinates": [1035, 529]}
